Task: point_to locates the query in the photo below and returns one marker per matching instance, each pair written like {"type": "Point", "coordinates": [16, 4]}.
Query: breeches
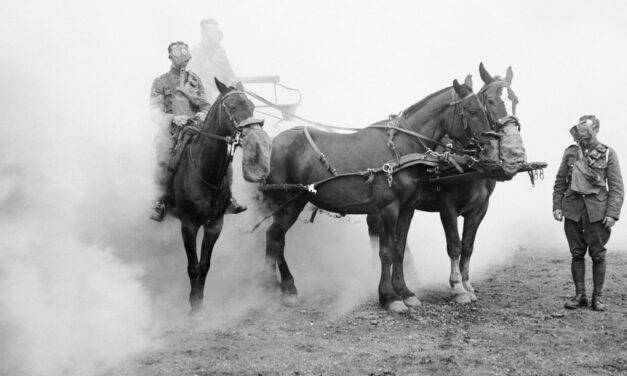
{"type": "Point", "coordinates": [585, 236]}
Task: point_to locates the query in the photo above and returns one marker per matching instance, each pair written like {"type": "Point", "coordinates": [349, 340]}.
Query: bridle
{"type": "Point", "coordinates": [232, 141]}
{"type": "Point", "coordinates": [459, 111]}
{"type": "Point", "coordinates": [498, 124]}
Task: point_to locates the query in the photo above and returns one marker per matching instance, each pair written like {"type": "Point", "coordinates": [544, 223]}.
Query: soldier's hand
{"type": "Point", "coordinates": [557, 214]}
{"type": "Point", "coordinates": [180, 120]}
{"type": "Point", "coordinates": [609, 222]}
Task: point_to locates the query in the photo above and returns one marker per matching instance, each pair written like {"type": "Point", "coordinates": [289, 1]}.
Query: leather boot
{"type": "Point", "coordinates": [158, 211]}
{"type": "Point", "coordinates": [578, 270]}
{"type": "Point", "coordinates": [598, 277]}
{"type": "Point", "coordinates": [577, 302]}
{"type": "Point", "coordinates": [234, 207]}
{"type": "Point", "coordinates": [597, 303]}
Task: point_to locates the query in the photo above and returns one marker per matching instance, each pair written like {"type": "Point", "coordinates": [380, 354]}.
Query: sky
{"type": "Point", "coordinates": [87, 282]}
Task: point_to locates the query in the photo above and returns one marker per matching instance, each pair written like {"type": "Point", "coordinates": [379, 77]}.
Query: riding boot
{"type": "Point", "coordinates": [578, 270]}
{"type": "Point", "coordinates": [234, 207]}
{"type": "Point", "coordinates": [598, 278]}
{"type": "Point", "coordinates": [160, 209]}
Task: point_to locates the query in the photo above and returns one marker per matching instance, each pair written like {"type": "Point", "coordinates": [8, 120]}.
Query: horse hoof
{"type": "Point", "coordinates": [290, 300]}
{"type": "Point", "coordinates": [412, 301]}
{"type": "Point", "coordinates": [397, 306]}
{"type": "Point", "coordinates": [197, 313]}
{"type": "Point", "coordinates": [473, 297]}
{"type": "Point", "coordinates": [462, 299]}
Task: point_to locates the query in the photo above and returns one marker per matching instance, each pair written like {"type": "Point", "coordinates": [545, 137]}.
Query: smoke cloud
{"type": "Point", "coordinates": [87, 281]}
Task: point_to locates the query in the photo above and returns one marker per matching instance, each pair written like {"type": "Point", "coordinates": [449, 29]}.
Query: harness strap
{"type": "Point", "coordinates": [332, 170]}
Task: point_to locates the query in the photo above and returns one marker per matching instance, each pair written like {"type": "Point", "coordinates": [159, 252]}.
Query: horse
{"type": "Point", "coordinates": [469, 199]}
{"type": "Point", "coordinates": [313, 159]}
{"type": "Point", "coordinates": [200, 190]}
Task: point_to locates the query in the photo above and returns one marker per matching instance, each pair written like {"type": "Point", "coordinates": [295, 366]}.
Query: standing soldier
{"type": "Point", "coordinates": [177, 99]}
{"type": "Point", "coordinates": [588, 193]}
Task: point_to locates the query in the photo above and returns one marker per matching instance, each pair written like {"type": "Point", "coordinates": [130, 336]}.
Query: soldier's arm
{"type": "Point", "coordinates": [204, 103]}
{"type": "Point", "coordinates": [156, 105]}
{"type": "Point", "coordinates": [615, 186]}
{"type": "Point", "coordinates": [561, 182]}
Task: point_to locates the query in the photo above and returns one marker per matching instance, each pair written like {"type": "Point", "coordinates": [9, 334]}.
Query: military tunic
{"type": "Point", "coordinates": [164, 90]}
{"type": "Point", "coordinates": [584, 213]}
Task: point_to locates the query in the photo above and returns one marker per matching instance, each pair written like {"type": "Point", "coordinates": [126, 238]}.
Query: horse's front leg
{"type": "Point", "coordinates": [189, 232]}
{"type": "Point", "coordinates": [374, 228]}
{"type": "Point", "coordinates": [275, 252]}
{"type": "Point", "coordinates": [388, 295]}
{"type": "Point", "coordinates": [398, 271]}
{"type": "Point", "coordinates": [454, 249]}
{"type": "Point", "coordinates": [471, 225]}
{"type": "Point", "coordinates": [211, 231]}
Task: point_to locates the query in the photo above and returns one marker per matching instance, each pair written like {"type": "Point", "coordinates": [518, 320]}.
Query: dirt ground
{"type": "Point", "coordinates": [518, 327]}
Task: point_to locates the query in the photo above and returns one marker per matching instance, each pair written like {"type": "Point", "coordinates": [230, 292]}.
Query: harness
{"type": "Point", "coordinates": [429, 157]}
{"type": "Point", "coordinates": [232, 141]}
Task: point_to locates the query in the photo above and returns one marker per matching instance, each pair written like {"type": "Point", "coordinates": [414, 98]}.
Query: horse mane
{"type": "Point", "coordinates": [417, 106]}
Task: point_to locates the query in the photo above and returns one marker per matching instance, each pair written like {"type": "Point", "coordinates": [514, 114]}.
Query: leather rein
{"type": "Point", "coordinates": [232, 141]}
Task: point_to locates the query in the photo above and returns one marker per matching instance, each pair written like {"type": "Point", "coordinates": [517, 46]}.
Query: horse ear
{"type": "Point", "coordinates": [461, 90]}
{"type": "Point", "coordinates": [239, 86]}
{"type": "Point", "coordinates": [485, 76]}
{"type": "Point", "coordinates": [221, 87]}
{"type": "Point", "coordinates": [468, 81]}
{"type": "Point", "coordinates": [457, 87]}
{"type": "Point", "coordinates": [509, 76]}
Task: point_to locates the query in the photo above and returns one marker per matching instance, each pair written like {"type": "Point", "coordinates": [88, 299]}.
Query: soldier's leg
{"type": "Point", "coordinates": [577, 245]}
{"type": "Point", "coordinates": [164, 179]}
{"type": "Point", "coordinates": [234, 206]}
{"type": "Point", "coordinates": [596, 236]}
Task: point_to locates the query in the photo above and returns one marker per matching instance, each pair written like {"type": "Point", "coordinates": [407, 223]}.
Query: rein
{"type": "Point", "coordinates": [232, 142]}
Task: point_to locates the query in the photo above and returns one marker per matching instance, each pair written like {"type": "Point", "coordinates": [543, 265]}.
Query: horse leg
{"type": "Point", "coordinates": [471, 225]}
{"type": "Point", "coordinates": [189, 231]}
{"type": "Point", "coordinates": [275, 250]}
{"type": "Point", "coordinates": [388, 296]}
{"type": "Point", "coordinates": [374, 228]}
{"type": "Point", "coordinates": [211, 232]}
{"type": "Point", "coordinates": [453, 248]}
{"type": "Point", "coordinates": [398, 273]}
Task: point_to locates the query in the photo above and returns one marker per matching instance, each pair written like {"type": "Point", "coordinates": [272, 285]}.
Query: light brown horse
{"type": "Point", "coordinates": [299, 158]}
{"type": "Point", "coordinates": [200, 189]}
{"type": "Point", "coordinates": [470, 199]}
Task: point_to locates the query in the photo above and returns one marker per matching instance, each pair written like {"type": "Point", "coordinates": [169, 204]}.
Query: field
{"type": "Point", "coordinates": [518, 327]}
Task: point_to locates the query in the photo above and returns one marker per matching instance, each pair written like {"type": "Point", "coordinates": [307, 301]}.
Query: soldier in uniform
{"type": "Point", "coordinates": [210, 59]}
{"type": "Point", "coordinates": [177, 99]}
{"type": "Point", "coordinates": [588, 193]}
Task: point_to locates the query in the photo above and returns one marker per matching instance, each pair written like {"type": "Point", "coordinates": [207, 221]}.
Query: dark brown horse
{"type": "Point", "coordinates": [201, 192]}
{"type": "Point", "coordinates": [314, 157]}
{"type": "Point", "coordinates": [470, 199]}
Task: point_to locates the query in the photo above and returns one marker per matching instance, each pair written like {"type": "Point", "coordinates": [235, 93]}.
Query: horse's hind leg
{"type": "Point", "coordinates": [275, 250]}
{"type": "Point", "coordinates": [189, 231]}
{"type": "Point", "coordinates": [471, 225]}
{"type": "Point", "coordinates": [453, 248]}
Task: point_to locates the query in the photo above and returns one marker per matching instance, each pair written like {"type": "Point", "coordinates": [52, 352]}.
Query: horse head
{"type": "Point", "coordinates": [232, 115]}
{"type": "Point", "coordinates": [499, 102]}
{"type": "Point", "coordinates": [453, 112]}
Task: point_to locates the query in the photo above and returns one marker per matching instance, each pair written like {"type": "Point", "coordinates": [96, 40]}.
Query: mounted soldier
{"type": "Point", "coordinates": [589, 194]}
{"type": "Point", "coordinates": [177, 100]}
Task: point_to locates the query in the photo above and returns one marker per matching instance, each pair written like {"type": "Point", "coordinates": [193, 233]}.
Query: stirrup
{"type": "Point", "coordinates": [158, 212]}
